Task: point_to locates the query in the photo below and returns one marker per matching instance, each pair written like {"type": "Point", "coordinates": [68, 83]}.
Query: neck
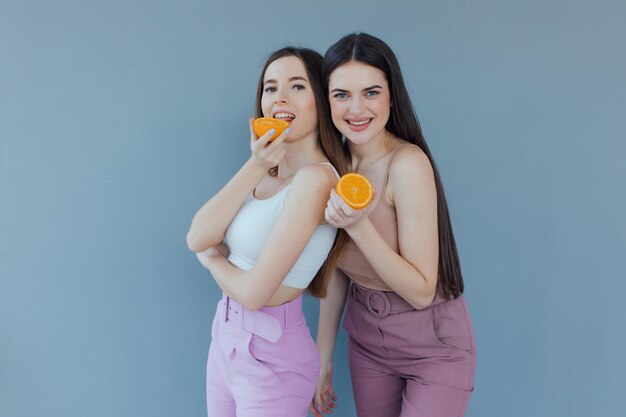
{"type": "Point", "coordinates": [372, 150]}
{"type": "Point", "coordinates": [300, 152]}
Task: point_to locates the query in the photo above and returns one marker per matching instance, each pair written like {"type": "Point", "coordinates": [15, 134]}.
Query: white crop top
{"type": "Point", "coordinates": [251, 227]}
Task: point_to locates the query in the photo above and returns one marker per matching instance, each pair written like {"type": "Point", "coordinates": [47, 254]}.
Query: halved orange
{"type": "Point", "coordinates": [263, 124]}
{"type": "Point", "coordinates": [355, 190]}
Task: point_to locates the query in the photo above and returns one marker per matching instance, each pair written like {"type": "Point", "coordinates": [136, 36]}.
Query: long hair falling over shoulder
{"type": "Point", "coordinates": [329, 139]}
{"type": "Point", "coordinates": [403, 123]}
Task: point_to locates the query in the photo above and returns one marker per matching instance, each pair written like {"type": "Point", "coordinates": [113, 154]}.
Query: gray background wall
{"type": "Point", "coordinates": [119, 118]}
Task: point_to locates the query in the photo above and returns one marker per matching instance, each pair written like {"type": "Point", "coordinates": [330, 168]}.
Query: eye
{"type": "Point", "coordinates": [270, 89]}
{"type": "Point", "coordinates": [298, 87]}
{"type": "Point", "coordinates": [371, 93]}
{"type": "Point", "coordinates": [340, 96]}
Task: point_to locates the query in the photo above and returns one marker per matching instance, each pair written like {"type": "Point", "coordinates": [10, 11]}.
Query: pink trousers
{"type": "Point", "coordinates": [261, 363]}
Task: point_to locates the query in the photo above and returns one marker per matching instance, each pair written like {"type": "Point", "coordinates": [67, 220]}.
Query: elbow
{"type": "Point", "coordinates": [193, 244]}
{"type": "Point", "coordinates": [253, 299]}
{"type": "Point", "coordinates": [425, 299]}
{"type": "Point", "coordinates": [199, 243]}
{"type": "Point", "coordinates": [252, 303]}
{"type": "Point", "coordinates": [423, 302]}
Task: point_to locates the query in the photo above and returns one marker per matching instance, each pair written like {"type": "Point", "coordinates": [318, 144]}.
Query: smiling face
{"type": "Point", "coordinates": [359, 101]}
{"type": "Point", "coordinates": [288, 95]}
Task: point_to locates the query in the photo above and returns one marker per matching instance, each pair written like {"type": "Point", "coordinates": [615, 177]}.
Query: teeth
{"type": "Point", "coordinates": [284, 116]}
{"type": "Point", "coordinates": [364, 122]}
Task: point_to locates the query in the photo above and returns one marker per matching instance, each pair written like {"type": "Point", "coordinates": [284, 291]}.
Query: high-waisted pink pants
{"type": "Point", "coordinates": [261, 363]}
{"type": "Point", "coordinates": [406, 362]}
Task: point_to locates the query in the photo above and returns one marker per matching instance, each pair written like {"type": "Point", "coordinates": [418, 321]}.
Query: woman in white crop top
{"type": "Point", "coordinates": [264, 239]}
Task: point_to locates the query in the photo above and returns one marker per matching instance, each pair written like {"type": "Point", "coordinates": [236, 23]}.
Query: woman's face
{"type": "Point", "coordinates": [288, 95]}
{"type": "Point", "coordinates": [359, 101]}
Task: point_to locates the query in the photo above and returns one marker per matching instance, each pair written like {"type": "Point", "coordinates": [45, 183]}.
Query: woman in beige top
{"type": "Point", "coordinates": [411, 345]}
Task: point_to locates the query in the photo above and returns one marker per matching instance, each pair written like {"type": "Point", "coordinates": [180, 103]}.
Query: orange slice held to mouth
{"type": "Point", "coordinates": [263, 124]}
{"type": "Point", "coordinates": [355, 190]}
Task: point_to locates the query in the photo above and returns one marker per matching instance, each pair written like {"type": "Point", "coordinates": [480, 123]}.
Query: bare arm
{"type": "Point", "coordinates": [302, 213]}
{"type": "Point", "coordinates": [413, 272]}
{"type": "Point", "coordinates": [331, 309]}
{"type": "Point", "coordinates": [211, 221]}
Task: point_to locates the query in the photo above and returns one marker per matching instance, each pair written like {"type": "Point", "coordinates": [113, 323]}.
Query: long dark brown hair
{"type": "Point", "coordinates": [328, 137]}
{"type": "Point", "coordinates": [403, 123]}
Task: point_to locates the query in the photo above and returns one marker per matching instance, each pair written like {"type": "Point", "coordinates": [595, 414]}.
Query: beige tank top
{"type": "Point", "coordinates": [383, 217]}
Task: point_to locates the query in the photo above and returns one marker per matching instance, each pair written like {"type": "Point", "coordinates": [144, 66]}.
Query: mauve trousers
{"type": "Point", "coordinates": [406, 362]}
{"type": "Point", "coordinates": [261, 363]}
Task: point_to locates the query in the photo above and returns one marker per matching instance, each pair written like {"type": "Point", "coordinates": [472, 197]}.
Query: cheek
{"type": "Point", "coordinates": [310, 109]}
{"type": "Point", "coordinates": [384, 105]}
{"type": "Point", "coordinates": [337, 111]}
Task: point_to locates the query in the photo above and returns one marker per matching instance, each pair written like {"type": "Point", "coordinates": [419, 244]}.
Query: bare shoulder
{"type": "Point", "coordinates": [322, 175]}
{"type": "Point", "coordinates": [410, 161]}
{"type": "Point", "coordinates": [410, 174]}
{"type": "Point", "coordinates": [313, 182]}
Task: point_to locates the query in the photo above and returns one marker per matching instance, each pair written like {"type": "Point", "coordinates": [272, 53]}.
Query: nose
{"type": "Point", "coordinates": [280, 98]}
{"type": "Point", "coordinates": [356, 106]}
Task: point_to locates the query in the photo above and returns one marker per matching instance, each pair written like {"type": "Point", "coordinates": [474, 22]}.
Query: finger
{"type": "Point", "coordinates": [345, 209]}
{"type": "Point", "coordinates": [281, 138]}
{"type": "Point", "coordinates": [332, 393]}
{"type": "Point", "coordinates": [334, 200]}
{"type": "Point", "coordinates": [264, 140]}
{"type": "Point", "coordinates": [330, 398]}
{"type": "Point", "coordinates": [328, 403]}
{"type": "Point", "coordinates": [323, 408]}
{"type": "Point", "coordinates": [340, 204]}
{"type": "Point", "coordinates": [337, 213]}
{"type": "Point", "coordinates": [334, 219]}
{"type": "Point", "coordinates": [314, 410]}
{"type": "Point", "coordinates": [329, 219]}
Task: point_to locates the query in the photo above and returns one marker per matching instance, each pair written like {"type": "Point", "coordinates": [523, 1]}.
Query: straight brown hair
{"type": "Point", "coordinates": [403, 123]}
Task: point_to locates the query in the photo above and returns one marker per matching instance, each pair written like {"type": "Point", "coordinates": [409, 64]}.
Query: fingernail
{"type": "Point", "coordinates": [287, 131]}
{"type": "Point", "coordinates": [272, 131]}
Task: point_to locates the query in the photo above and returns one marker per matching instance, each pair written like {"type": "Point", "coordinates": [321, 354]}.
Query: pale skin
{"type": "Point", "coordinates": [360, 105]}
{"type": "Point", "coordinates": [298, 156]}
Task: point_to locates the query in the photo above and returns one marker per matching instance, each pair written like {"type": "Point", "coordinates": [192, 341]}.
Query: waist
{"type": "Point", "coordinates": [266, 322]}
{"type": "Point", "coordinates": [384, 303]}
{"type": "Point", "coordinates": [380, 303]}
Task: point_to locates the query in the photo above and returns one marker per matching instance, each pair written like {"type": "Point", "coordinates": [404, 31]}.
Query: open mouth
{"type": "Point", "coordinates": [287, 117]}
{"type": "Point", "coordinates": [358, 125]}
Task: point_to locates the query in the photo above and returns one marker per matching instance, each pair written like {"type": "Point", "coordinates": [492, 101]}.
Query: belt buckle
{"type": "Point", "coordinates": [378, 314]}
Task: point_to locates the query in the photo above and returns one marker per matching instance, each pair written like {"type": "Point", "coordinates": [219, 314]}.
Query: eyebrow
{"type": "Point", "coordinates": [296, 78]}
{"type": "Point", "coordinates": [339, 90]}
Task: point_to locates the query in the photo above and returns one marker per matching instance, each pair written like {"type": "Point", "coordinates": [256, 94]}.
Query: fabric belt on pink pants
{"type": "Point", "coordinates": [267, 322]}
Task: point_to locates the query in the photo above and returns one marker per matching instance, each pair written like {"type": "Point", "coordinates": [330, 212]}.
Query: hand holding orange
{"type": "Point", "coordinates": [263, 124]}
{"type": "Point", "coordinates": [355, 190]}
